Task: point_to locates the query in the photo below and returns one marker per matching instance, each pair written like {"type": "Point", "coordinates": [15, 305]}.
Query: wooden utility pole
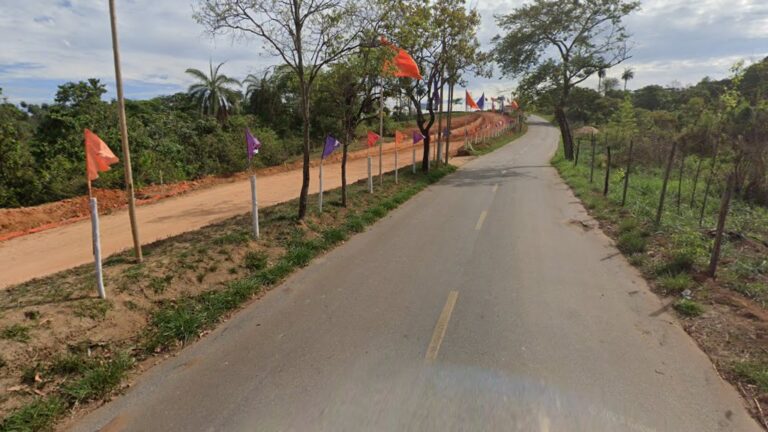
{"type": "Point", "coordinates": [124, 136]}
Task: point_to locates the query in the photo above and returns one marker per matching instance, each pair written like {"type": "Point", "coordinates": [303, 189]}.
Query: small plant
{"type": "Point", "coordinates": [38, 415]}
{"type": "Point", "coordinates": [3, 363]}
{"type": "Point", "coordinates": [688, 308]}
{"type": "Point", "coordinates": [98, 380]}
{"type": "Point", "coordinates": [632, 242]}
{"type": "Point", "coordinates": [16, 332]}
{"type": "Point", "coordinates": [95, 309]}
{"type": "Point", "coordinates": [233, 238]}
{"type": "Point", "coordinates": [69, 364]}
{"type": "Point", "coordinates": [159, 284]}
{"type": "Point", "coordinates": [682, 260]}
{"type": "Point", "coordinates": [675, 283]}
{"type": "Point", "coordinates": [32, 315]}
{"type": "Point", "coordinates": [255, 261]}
{"type": "Point", "coordinates": [753, 372]}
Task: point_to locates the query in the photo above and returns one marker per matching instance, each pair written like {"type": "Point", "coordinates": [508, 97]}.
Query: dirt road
{"type": "Point", "coordinates": [47, 252]}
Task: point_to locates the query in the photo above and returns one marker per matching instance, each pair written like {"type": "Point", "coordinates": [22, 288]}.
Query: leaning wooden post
{"type": "Point", "coordinates": [695, 182]}
{"type": "Point", "coordinates": [124, 136]}
{"type": "Point", "coordinates": [667, 172]}
{"type": "Point", "coordinates": [626, 174]}
{"type": "Point", "coordinates": [724, 204]}
{"type": "Point", "coordinates": [607, 171]}
{"type": "Point", "coordinates": [711, 176]}
{"type": "Point", "coordinates": [680, 182]}
{"type": "Point", "coordinates": [97, 247]}
{"type": "Point", "coordinates": [592, 161]}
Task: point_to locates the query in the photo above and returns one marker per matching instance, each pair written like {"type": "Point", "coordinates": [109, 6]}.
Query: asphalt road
{"type": "Point", "coordinates": [481, 304]}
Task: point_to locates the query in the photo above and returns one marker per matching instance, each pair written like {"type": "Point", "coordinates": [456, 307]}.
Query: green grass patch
{"type": "Point", "coordinates": [38, 415]}
{"type": "Point", "coordinates": [753, 372]}
{"type": "Point", "coordinates": [688, 308]}
{"type": "Point", "coordinates": [95, 309]}
{"type": "Point", "coordinates": [16, 332]}
{"type": "Point", "coordinates": [255, 261]}
{"type": "Point", "coordinates": [98, 380]}
{"type": "Point", "coordinates": [632, 242]}
{"type": "Point", "coordinates": [675, 283]}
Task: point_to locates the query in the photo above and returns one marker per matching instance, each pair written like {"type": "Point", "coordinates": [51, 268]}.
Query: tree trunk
{"type": "Point", "coordinates": [724, 204]}
{"type": "Point", "coordinates": [607, 171]}
{"type": "Point", "coordinates": [667, 172]}
{"type": "Point", "coordinates": [565, 132]}
{"type": "Point", "coordinates": [305, 168]}
{"type": "Point", "coordinates": [425, 160]}
{"type": "Point", "coordinates": [578, 150]}
{"type": "Point", "coordinates": [711, 176]}
{"type": "Point", "coordinates": [440, 137]}
{"type": "Point", "coordinates": [626, 174]}
{"type": "Point", "coordinates": [448, 126]}
{"type": "Point", "coordinates": [345, 150]}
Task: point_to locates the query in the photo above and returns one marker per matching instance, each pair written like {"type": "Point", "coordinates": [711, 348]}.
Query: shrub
{"type": "Point", "coordinates": [255, 260]}
{"type": "Point", "coordinates": [688, 308]}
{"type": "Point", "coordinates": [675, 283]}
{"type": "Point", "coordinates": [631, 242]}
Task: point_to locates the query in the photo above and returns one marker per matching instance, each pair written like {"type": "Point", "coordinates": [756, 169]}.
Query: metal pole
{"type": "Point", "coordinates": [97, 247]}
{"type": "Point", "coordinates": [254, 207]}
{"type": "Point", "coordinates": [320, 197]}
{"type": "Point", "coordinates": [124, 136]}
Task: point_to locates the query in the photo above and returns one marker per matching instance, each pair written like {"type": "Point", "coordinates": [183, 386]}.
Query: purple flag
{"type": "Point", "coordinates": [253, 144]}
{"type": "Point", "coordinates": [481, 102]}
{"type": "Point", "coordinates": [417, 137]}
{"type": "Point", "coordinates": [331, 144]}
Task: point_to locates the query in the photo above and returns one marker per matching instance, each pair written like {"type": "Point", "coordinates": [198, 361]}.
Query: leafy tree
{"type": "Point", "coordinates": [305, 35]}
{"type": "Point", "coordinates": [627, 75]}
{"type": "Point", "coordinates": [214, 93]}
{"type": "Point", "coordinates": [584, 35]}
{"type": "Point", "coordinates": [274, 98]}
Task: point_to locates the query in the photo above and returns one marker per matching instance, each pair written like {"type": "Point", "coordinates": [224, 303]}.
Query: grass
{"type": "Point", "coordinates": [16, 332]}
{"type": "Point", "coordinates": [755, 373]}
{"type": "Point", "coordinates": [688, 308]}
{"type": "Point", "coordinates": [95, 309]}
{"type": "Point", "coordinates": [675, 283]}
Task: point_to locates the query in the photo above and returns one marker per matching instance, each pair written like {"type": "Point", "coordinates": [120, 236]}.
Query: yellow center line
{"type": "Point", "coordinates": [481, 220]}
{"type": "Point", "coordinates": [441, 327]}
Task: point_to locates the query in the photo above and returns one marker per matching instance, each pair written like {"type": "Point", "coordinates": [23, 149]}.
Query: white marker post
{"type": "Point", "coordinates": [97, 247]}
{"type": "Point", "coordinates": [396, 162]}
{"type": "Point", "coordinates": [254, 207]}
{"type": "Point", "coordinates": [370, 178]}
{"type": "Point", "coordinates": [320, 195]}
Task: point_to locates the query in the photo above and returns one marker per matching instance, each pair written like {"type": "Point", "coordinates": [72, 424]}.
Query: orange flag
{"type": "Point", "coordinates": [98, 157]}
{"type": "Point", "coordinates": [470, 102]}
{"type": "Point", "coordinates": [402, 65]}
{"type": "Point", "coordinates": [372, 138]}
{"type": "Point", "coordinates": [399, 138]}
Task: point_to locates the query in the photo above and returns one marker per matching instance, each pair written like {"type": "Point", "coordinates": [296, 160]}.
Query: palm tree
{"type": "Point", "coordinates": [600, 77]}
{"type": "Point", "coordinates": [627, 75]}
{"type": "Point", "coordinates": [214, 92]}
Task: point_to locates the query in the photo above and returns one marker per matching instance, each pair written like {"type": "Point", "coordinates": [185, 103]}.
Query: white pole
{"type": "Point", "coordinates": [321, 185]}
{"type": "Point", "coordinates": [370, 178]}
{"type": "Point", "coordinates": [254, 207]}
{"type": "Point", "coordinates": [381, 134]}
{"type": "Point", "coordinates": [97, 247]}
{"type": "Point", "coordinates": [396, 162]}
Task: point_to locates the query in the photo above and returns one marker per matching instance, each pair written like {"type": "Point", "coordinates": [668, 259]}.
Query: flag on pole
{"type": "Point", "coordinates": [252, 143]}
{"type": "Point", "coordinates": [402, 65]}
{"type": "Point", "coordinates": [514, 105]}
{"type": "Point", "coordinates": [470, 102]}
{"type": "Point", "coordinates": [98, 157]}
{"type": "Point", "coordinates": [417, 136]}
{"type": "Point", "coordinates": [331, 144]}
{"type": "Point", "coordinates": [372, 138]}
{"type": "Point", "coordinates": [481, 102]}
{"type": "Point", "coordinates": [399, 136]}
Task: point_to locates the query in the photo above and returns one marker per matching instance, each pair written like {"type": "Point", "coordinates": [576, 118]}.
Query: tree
{"type": "Point", "coordinates": [274, 98]}
{"type": "Point", "coordinates": [585, 36]}
{"type": "Point", "coordinates": [305, 34]}
{"type": "Point", "coordinates": [213, 92]}
{"type": "Point", "coordinates": [627, 75]}
{"type": "Point", "coordinates": [600, 76]}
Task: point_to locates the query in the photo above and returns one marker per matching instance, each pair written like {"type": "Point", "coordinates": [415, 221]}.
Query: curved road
{"type": "Point", "coordinates": [481, 304]}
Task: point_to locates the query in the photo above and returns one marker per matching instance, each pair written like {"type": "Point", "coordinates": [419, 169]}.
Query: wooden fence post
{"type": "Point", "coordinates": [607, 171]}
{"type": "Point", "coordinates": [680, 181]}
{"type": "Point", "coordinates": [592, 161]}
{"type": "Point", "coordinates": [671, 159]}
{"type": "Point", "coordinates": [723, 214]}
{"type": "Point", "coordinates": [578, 148]}
{"type": "Point", "coordinates": [695, 182]}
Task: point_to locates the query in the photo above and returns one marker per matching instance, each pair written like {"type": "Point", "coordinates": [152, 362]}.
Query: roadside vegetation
{"type": "Point", "coordinates": [63, 348]}
{"type": "Point", "coordinates": [681, 186]}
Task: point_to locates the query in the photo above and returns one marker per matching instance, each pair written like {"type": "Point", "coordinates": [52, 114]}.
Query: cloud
{"type": "Point", "coordinates": [44, 43]}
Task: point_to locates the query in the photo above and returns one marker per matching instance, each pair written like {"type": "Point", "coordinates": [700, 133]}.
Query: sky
{"type": "Point", "coordinates": [44, 43]}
